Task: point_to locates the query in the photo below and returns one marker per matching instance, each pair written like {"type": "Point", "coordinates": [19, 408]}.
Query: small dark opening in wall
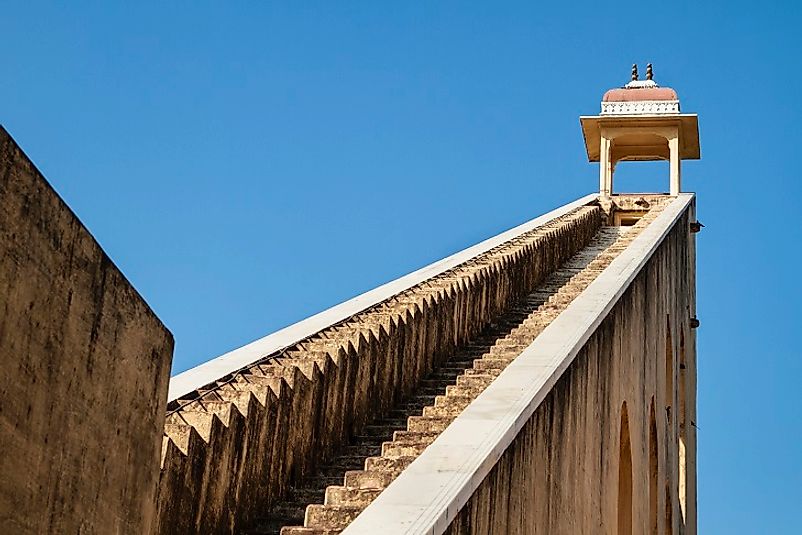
{"type": "Point", "coordinates": [626, 218]}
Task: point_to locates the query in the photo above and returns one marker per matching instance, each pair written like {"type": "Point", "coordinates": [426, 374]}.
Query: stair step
{"type": "Point", "coordinates": [426, 423]}
{"type": "Point", "coordinates": [330, 516]}
{"type": "Point", "coordinates": [395, 450]}
{"type": "Point", "coordinates": [394, 465]}
{"type": "Point", "coordinates": [369, 479]}
{"type": "Point", "coordinates": [303, 530]}
{"type": "Point", "coordinates": [348, 496]}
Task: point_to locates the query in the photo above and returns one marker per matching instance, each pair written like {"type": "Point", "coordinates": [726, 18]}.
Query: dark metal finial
{"type": "Point", "coordinates": [634, 72]}
{"type": "Point", "coordinates": [649, 73]}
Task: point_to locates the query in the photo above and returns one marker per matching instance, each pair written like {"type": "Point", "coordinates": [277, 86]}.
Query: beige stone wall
{"type": "Point", "coordinates": [602, 453]}
{"type": "Point", "coordinates": [85, 371]}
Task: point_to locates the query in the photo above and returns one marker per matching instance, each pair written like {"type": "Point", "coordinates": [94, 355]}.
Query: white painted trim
{"type": "Point", "coordinates": [429, 493]}
{"type": "Point", "coordinates": [641, 84]}
{"type": "Point", "coordinates": [641, 107]}
{"type": "Point", "coordinates": [212, 370]}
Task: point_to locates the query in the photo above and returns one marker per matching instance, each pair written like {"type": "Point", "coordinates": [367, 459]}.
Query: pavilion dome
{"type": "Point", "coordinates": [640, 92]}
{"type": "Point", "coordinates": [640, 97]}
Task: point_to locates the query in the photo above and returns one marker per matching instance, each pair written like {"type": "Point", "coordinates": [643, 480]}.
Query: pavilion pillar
{"type": "Point", "coordinates": [605, 166]}
{"type": "Point", "coordinates": [675, 177]}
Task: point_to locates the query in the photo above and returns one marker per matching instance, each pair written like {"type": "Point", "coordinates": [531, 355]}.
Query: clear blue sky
{"type": "Point", "coordinates": [248, 166]}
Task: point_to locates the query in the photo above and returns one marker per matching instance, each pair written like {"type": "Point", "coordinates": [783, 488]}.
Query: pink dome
{"type": "Point", "coordinates": [623, 94]}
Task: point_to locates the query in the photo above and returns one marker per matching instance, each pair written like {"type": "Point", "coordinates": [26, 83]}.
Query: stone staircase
{"type": "Point", "coordinates": [350, 481]}
{"type": "Point", "coordinates": [369, 444]}
{"type": "Point", "coordinates": [247, 443]}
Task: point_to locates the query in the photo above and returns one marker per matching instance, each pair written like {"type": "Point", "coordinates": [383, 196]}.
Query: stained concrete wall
{"type": "Point", "coordinates": [234, 450]}
{"type": "Point", "coordinates": [85, 371]}
{"type": "Point", "coordinates": [602, 453]}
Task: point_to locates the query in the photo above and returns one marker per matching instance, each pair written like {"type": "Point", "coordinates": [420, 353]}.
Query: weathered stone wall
{"type": "Point", "coordinates": [85, 371]}
{"type": "Point", "coordinates": [232, 450]}
{"type": "Point", "coordinates": [612, 448]}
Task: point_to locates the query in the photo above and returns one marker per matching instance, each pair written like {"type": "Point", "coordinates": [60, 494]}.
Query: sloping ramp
{"type": "Point", "coordinates": [475, 476]}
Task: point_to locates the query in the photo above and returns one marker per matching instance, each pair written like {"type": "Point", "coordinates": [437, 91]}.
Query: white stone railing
{"type": "Point", "coordinates": [641, 107]}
